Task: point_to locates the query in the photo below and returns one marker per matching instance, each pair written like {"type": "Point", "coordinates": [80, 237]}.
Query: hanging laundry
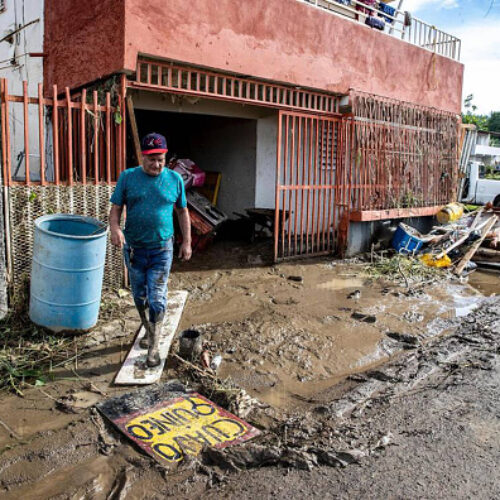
{"type": "Point", "coordinates": [370, 3]}
{"type": "Point", "coordinates": [375, 22]}
{"type": "Point", "coordinates": [387, 9]}
{"type": "Point", "coordinates": [344, 2]}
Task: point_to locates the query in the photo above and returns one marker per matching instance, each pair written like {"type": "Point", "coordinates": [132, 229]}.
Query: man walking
{"type": "Point", "coordinates": [150, 193]}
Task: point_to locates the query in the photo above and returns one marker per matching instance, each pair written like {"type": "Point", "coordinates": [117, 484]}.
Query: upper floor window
{"type": "Point", "coordinates": [2, 6]}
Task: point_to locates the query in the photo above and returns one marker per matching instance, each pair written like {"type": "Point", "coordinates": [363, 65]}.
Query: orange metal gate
{"type": "Point", "coordinates": [312, 179]}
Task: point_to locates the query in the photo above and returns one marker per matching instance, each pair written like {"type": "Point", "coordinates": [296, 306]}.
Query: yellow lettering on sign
{"type": "Point", "coordinates": [185, 427]}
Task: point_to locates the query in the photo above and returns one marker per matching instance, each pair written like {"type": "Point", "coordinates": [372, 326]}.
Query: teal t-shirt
{"type": "Point", "coordinates": [150, 201]}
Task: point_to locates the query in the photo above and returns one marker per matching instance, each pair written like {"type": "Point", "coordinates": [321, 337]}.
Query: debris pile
{"type": "Point", "coordinates": [447, 249]}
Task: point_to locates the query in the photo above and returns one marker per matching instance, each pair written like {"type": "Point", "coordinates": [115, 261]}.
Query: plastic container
{"type": "Point", "coordinates": [190, 344]}
{"type": "Point", "coordinates": [450, 213]}
{"type": "Point", "coordinates": [69, 252]}
{"type": "Point", "coordinates": [407, 239]}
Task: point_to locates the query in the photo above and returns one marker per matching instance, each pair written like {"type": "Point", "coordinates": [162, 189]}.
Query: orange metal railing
{"type": "Point", "coordinates": [80, 139]}
{"type": "Point", "coordinates": [167, 77]}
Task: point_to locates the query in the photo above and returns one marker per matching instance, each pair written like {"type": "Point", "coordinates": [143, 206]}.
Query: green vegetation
{"type": "Point", "coordinates": [493, 175]}
{"type": "Point", "coordinates": [30, 354]}
{"type": "Point", "coordinates": [405, 270]}
{"type": "Point", "coordinates": [487, 123]}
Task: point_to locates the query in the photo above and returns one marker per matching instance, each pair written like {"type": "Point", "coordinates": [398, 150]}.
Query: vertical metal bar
{"type": "Point", "coordinates": [26, 133]}
{"type": "Point", "coordinates": [70, 137]}
{"type": "Point", "coordinates": [41, 133]}
{"type": "Point", "coordinates": [302, 142]}
{"type": "Point", "coordinates": [317, 191]}
{"type": "Point", "coordinates": [96, 138]}
{"type": "Point", "coordinates": [55, 134]}
{"type": "Point", "coordinates": [297, 183]}
{"type": "Point", "coordinates": [149, 73]}
{"type": "Point", "coordinates": [4, 132]}
{"type": "Point", "coordinates": [83, 139]}
{"type": "Point", "coordinates": [333, 167]}
{"type": "Point", "coordinates": [108, 138]}
{"type": "Point", "coordinates": [285, 168]}
{"type": "Point", "coordinates": [324, 170]}
{"type": "Point", "coordinates": [330, 144]}
{"type": "Point", "coordinates": [277, 193]}
{"type": "Point", "coordinates": [123, 91]}
{"type": "Point", "coordinates": [290, 184]}
{"type": "Point", "coordinates": [160, 75]}
{"type": "Point", "coordinates": [309, 166]}
{"type": "Point", "coordinates": [118, 138]}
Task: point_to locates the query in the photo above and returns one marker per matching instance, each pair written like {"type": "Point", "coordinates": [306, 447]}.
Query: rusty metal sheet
{"type": "Point", "coordinates": [169, 423]}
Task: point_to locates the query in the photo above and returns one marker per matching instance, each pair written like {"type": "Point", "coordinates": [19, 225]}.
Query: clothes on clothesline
{"type": "Point", "coordinates": [370, 3]}
{"type": "Point", "coordinates": [386, 9]}
{"type": "Point", "coordinates": [375, 22]}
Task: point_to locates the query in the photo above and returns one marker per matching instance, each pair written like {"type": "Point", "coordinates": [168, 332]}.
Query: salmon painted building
{"type": "Point", "coordinates": [336, 115]}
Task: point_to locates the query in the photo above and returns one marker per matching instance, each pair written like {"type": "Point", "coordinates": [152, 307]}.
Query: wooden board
{"type": "Point", "coordinates": [135, 130]}
{"type": "Point", "coordinates": [134, 370]}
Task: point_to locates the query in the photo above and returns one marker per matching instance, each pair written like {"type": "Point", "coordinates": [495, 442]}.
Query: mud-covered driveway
{"type": "Point", "coordinates": [308, 340]}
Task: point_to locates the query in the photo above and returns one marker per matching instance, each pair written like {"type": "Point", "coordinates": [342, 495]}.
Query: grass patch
{"type": "Point", "coordinates": [29, 353]}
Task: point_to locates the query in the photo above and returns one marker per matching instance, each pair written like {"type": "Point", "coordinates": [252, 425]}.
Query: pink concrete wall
{"type": "Point", "coordinates": [84, 41]}
{"type": "Point", "coordinates": [280, 40]}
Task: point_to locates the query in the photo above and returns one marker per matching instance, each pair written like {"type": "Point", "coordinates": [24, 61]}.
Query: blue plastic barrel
{"type": "Point", "coordinates": [407, 239]}
{"type": "Point", "coordinates": [69, 252]}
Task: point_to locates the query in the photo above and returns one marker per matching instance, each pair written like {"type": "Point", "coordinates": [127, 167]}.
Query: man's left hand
{"type": "Point", "coordinates": [185, 251]}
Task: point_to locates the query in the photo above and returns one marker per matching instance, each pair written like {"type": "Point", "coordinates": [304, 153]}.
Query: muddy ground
{"type": "Point", "coordinates": [371, 394]}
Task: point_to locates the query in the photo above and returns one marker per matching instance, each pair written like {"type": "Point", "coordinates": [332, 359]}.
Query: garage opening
{"type": "Point", "coordinates": [236, 152]}
{"type": "Point", "coordinates": [216, 144]}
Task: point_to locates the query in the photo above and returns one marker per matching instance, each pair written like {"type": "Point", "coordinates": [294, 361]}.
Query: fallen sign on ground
{"type": "Point", "coordinates": [169, 423]}
{"type": "Point", "coordinates": [134, 370]}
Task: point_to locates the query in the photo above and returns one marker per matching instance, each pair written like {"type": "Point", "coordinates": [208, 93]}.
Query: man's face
{"type": "Point", "coordinates": [153, 164]}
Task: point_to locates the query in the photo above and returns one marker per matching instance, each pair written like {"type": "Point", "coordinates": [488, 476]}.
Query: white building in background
{"type": "Point", "coordinates": [21, 59]}
{"type": "Point", "coordinates": [482, 152]}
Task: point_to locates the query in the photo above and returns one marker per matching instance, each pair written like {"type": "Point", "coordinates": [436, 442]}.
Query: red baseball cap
{"type": "Point", "coordinates": [153, 143]}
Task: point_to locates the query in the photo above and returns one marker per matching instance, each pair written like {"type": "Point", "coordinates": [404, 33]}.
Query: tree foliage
{"type": "Point", "coordinates": [494, 122]}
{"type": "Point", "coordinates": [470, 115]}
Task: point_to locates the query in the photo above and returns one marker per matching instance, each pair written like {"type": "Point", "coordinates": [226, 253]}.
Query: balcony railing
{"type": "Point", "coordinates": [392, 21]}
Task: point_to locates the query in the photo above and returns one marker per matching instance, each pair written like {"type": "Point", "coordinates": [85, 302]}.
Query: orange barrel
{"type": "Point", "coordinates": [450, 213]}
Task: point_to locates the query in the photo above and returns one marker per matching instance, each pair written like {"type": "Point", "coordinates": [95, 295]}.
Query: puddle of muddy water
{"type": "Point", "coordinates": [487, 282]}
{"type": "Point", "coordinates": [341, 283]}
{"type": "Point", "coordinates": [284, 341]}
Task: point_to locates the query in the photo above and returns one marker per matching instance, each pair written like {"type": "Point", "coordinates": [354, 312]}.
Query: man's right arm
{"type": "Point", "coordinates": [115, 215]}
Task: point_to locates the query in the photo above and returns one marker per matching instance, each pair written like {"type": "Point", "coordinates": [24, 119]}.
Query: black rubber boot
{"type": "Point", "coordinates": [144, 342]}
{"type": "Point", "coordinates": [153, 352]}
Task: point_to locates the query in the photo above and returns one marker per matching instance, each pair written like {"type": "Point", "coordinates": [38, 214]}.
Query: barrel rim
{"type": "Point", "coordinates": [79, 218]}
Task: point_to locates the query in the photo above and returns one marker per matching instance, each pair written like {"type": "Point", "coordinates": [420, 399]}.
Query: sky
{"type": "Point", "coordinates": [477, 24]}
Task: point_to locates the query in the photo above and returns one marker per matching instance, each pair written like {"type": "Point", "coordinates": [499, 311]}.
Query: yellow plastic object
{"type": "Point", "coordinates": [450, 213]}
{"type": "Point", "coordinates": [429, 260]}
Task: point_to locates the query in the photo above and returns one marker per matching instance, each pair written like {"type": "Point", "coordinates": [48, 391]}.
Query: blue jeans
{"type": "Point", "coordinates": [148, 272]}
